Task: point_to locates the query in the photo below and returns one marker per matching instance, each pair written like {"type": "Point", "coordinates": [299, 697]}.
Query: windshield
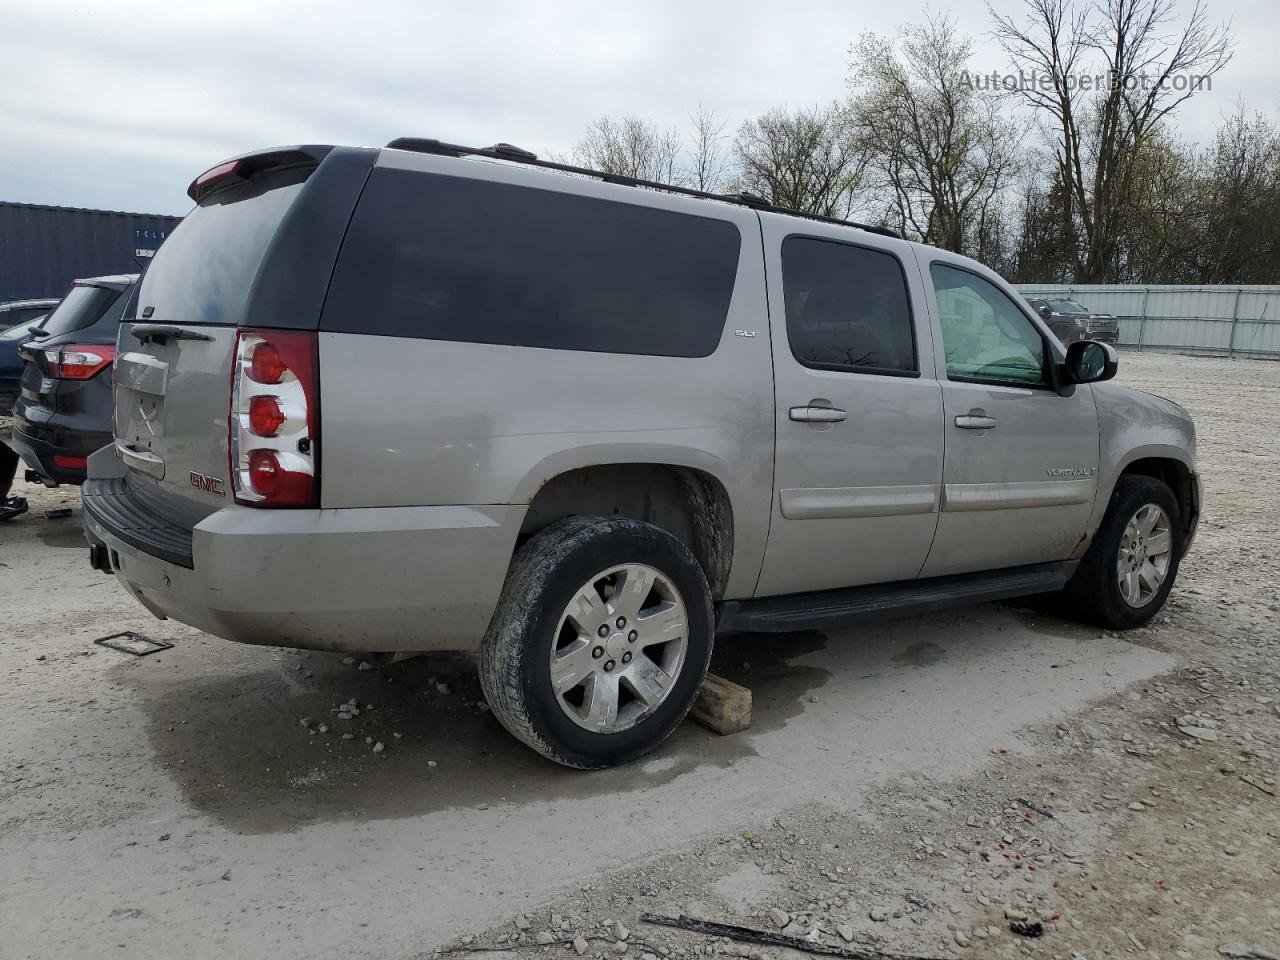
{"type": "Point", "coordinates": [79, 308]}
{"type": "Point", "coordinates": [1067, 306]}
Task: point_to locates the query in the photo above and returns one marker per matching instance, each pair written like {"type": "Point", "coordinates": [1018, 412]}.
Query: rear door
{"type": "Point", "coordinates": [1021, 466]}
{"type": "Point", "coordinates": [858, 411]}
{"type": "Point", "coordinates": [256, 251]}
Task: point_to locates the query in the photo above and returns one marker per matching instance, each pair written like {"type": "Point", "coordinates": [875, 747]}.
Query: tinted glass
{"type": "Point", "coordinates": [79, 308]}
{"type": "Point", "coordinates": [105, 327]}
{"type": "Point", "coordinates": [447, 258]}
{"type": "Point", "coordinates": [1067, 306]}
{"type": "Point", "coordinates": [203, 272]}
{"type": "Point", "coordinates": [984, 334]}
{"type": "Point", "coordinates": [22, 315]}
{"type": "Point", "coordinates": [847, 307]}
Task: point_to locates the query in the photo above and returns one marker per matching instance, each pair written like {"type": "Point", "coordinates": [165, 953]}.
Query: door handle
{"type": "Point", "coordinates": [972, 421]}
{"type": "Point", "coordinates": [817, 414]}
{"type": "Point", "coordinates": [142, 460]}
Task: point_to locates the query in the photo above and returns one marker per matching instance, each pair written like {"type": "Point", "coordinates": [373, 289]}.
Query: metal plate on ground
{"type": "Point", "coordinates": [134, 643]}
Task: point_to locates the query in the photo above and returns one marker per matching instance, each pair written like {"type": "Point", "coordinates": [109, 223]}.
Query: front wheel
{"type": "Point", "coordinates": [600, 640]}
{"type": "Point", "coordinates": [1130, 567]}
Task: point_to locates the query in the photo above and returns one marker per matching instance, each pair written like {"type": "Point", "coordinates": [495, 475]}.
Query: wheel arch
{"type": "Point", "coordinates": [1179, 477]}
{"type": "Point", "coordinates": [691, 504]}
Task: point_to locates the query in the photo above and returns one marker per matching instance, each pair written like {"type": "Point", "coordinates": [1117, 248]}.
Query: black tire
{"type": "Point", "coordinates": [1094, 591]}
{"type": "Point", "coordinates": [546, 572]}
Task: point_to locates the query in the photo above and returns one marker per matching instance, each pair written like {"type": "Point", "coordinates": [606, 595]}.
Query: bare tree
{"type": "Point", "coordinates": [809, 160]}
{"type": "Point", "coordinates": [1240, 197]}
{"type": "Point", "coordinates": [629, 147]}
{"type": "Point", "coordinates": [1097, 131]}
{"type": "Point", "coordinates": [708, 158]}
{"type": "Point", "coordinates": [940, 147]}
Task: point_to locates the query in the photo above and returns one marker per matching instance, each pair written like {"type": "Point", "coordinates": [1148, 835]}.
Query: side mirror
{"type": "Point", "coordinates": [1089, 361]}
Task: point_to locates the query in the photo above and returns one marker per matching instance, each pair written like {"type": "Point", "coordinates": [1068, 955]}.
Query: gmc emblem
{"type": "Point", "coordinates": [206, 483]}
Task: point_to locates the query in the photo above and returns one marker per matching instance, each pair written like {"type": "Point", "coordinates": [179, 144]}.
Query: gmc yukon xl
{"type": "Point", "coordinates": [435, 397]}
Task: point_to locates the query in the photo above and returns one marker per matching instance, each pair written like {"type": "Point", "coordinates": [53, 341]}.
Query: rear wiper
{"type": "Point", "coordinates": [37, 333]}
{"type": "Point", "coordinates": [163, 331]}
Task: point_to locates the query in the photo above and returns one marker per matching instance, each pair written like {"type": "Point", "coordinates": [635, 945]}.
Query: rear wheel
{"type": "Point", "coordinates": [1129, 569]}
{"type": "Point", "coordinates": [599, 642]}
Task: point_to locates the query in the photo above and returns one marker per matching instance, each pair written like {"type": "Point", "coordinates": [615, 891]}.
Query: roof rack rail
{"type": "Point", "coordinates": [507, 151]}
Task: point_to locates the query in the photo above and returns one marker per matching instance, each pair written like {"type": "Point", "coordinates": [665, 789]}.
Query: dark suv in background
{"type": "Point", "coordinates": [1071, 321]}
{"type": "Point", "coordinates": [18, 318]}
{"type": "Point", "coordinates": [63, 412]}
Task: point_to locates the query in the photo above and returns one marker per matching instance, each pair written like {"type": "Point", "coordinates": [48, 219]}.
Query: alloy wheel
{"type": "Point", "coordinates": [1146, 550]}
{"type": "Point", "coordinates": [619, 648]}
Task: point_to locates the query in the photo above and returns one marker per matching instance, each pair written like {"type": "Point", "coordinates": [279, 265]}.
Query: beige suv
{"type": "Point", "coordinates": [431, 397]}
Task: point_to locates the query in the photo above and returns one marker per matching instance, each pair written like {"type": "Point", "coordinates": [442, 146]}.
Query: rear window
{"type": "Point", "coordinates": [204, 270]}
{"type": "Point", "coordinates": [79, 309]}
{"type": "Point", "coordinates": [446, 258]}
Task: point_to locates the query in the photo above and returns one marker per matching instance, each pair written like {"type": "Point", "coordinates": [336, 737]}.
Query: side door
{"type": "Point", "coordinates": [1021, 463]}
{"type": "Point", "coordinates": [858, 410]}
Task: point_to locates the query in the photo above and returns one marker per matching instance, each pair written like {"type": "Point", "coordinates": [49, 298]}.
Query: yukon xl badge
{"type": "Point", "coordinates": [1072, 471]}
{"type": "Point", "coordinates": [206, 483]}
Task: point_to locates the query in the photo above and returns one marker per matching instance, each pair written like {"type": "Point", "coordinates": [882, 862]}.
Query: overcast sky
{"type": "Point", "coordinates": [118, 105]}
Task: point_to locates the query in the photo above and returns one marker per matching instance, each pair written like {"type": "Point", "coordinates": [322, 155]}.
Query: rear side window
{"type": "Point", "coordinates": [847, 307]}
{"type": "Point", "coordinates": [203, 272]}
{"type": "Point", "coordinates": [79, 309]}
{"type": "Point", "coordinates": [449, 258]}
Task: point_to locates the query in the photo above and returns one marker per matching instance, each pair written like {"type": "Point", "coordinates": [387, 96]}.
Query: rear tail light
{"type": "Point", "coordinates": [78, 361]}
{"type": "Point", "coordinates": [274, 419]}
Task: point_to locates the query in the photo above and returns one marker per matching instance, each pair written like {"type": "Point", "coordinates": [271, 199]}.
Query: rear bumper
{"type": "Point", "coordinates": [41, 434]}
{"type": "Point", "coordinates": [38, 451]}
{"type": "Point", "coordinates": [356, 580]}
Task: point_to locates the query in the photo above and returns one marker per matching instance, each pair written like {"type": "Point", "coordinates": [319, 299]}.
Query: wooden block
{"type": "Point", "coordinates": [722, 706]}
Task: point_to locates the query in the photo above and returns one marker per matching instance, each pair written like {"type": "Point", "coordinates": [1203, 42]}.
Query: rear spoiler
{"type": "Point", "coordinates": [240, 169]}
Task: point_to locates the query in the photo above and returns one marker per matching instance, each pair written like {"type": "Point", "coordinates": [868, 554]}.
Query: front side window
{"type": "Point", "coordinates": [984, 334]}
{"type": "Point", "coordinates": [847, 307]}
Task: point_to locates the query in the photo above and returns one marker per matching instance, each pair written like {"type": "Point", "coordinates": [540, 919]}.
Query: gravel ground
{"type": "Point", "coordinates": [916, 788]}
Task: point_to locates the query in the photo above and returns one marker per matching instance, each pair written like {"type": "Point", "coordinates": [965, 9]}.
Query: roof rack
{"type": "Point", "coordinates": [514, 154]}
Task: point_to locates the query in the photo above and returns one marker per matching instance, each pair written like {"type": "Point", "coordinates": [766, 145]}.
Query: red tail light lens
{"type": "Point", "coordinates": [266, 365]}
{"type": "Point", "coordinates": [265, 416]}
{"type": "Point", "coordinates": [79, 361]}
{"type": "Point", "coordinates": [274, 482]}
{"type": "Point", "coordinates": [274, 419]}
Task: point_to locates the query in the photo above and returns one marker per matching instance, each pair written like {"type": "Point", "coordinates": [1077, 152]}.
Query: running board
{"type": "Point", "coordinates": [827, 608]}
